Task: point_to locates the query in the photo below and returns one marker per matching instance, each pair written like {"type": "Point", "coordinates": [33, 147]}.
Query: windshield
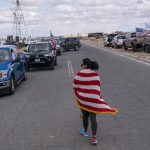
{"type": "Point", "coordinates": [61, 40]}
{"type": "Point", "coordinates": [39, 47]}
{"type": "Point", "coordinates": [133, 35]}
{"type": "Point", "coordinates": [4, 55]}
{"type": "Point", "coordinates": [110, 38]}
{"type": "Point", "coordinates": [121, 37]}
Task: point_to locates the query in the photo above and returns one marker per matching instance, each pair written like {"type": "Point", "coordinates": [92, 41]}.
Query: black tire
{"type": "Point", "coordinates": [125, 47]}
{"type": "Point", "coordinates": [105, 45]}
{"type": "Point", "coordinates": [59, 53]}
{"type": "Point", "coordinates": [55, 62]}
{"type": "Point", "coordinates": [28, 68]}
{"type": "Point", "coordinates": [51, 67]}
{"type": "Point", "coordinates": [147, 48]}
{"type": "Point", "coordinates": [24, 76]}
{"type": "Point", "coordinates": [134, 48]}
{"type": "Point", "coordinates": [115, 46]}
{"type": "Point", "coordinates": [12, 86]}
{"type": "Point", "coordinates": [76, 48]}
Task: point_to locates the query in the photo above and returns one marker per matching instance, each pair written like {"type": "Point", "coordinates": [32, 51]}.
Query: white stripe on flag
{"type": "Point", "coordinates": [94, 105]}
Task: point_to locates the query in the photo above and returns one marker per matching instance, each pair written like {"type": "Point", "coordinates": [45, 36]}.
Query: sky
{"type": "Point", "coordinates": [74, 16]}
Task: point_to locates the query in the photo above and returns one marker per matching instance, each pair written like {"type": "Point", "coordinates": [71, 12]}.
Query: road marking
{"type": "Point", "coordinates": [104, 49]}
{"type": "Point", "coordinates": [70, 68]}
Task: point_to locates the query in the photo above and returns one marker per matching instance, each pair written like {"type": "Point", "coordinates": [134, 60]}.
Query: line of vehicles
{"type": "Point", "coordinates": [15, 64]}
{"type": "Point", "coordinates": [130, 40]}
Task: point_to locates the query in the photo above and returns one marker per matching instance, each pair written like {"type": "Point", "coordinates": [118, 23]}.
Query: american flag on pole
{"type": "Point", "coordinates": [53, 41]}
{"type": "Point", "coordinates": [141, 32]}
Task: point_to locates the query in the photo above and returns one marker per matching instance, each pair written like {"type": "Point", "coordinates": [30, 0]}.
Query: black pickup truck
{"type": "Point", "coordinates": [71, 43]}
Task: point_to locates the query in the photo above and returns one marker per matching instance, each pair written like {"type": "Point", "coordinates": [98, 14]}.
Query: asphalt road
{"type": "Point", "coordinates": [42, 115]}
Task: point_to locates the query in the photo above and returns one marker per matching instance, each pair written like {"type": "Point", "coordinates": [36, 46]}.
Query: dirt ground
{"type": "Point", "coordinates": [99, 43]}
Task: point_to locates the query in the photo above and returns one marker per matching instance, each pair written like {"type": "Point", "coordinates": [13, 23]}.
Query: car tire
{"type": "Point", "coordinates": [59, 53]}
{"type": "Point", "coordinates": [28, 68]}
{"type": "Point", "coordinates": [147, 49]}
{"type": "Point", "coordinates": [24, 76]}
{"type": "Point", "coordinates": [76, 48]}
{"type": "Point", "coordinates": [134, 48]}
{"type": "Point", "coordinates": [55, 62]}
{"type": "Point", "coordinates": [12, 86]}
{"type": "Point", "coordinates": [125, 47]}
{"type": "Point", "coordinates": [51, 67]}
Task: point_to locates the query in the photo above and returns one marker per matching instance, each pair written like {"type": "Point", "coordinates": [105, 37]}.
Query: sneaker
{"type": "Point", "coordinates": [94, 140]}
{"type": "Point", "coordinates": [82, 132]}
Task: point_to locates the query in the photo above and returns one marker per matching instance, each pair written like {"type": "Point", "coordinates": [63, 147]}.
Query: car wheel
{"type": "Point", "coordinates": [51, 67]}
{"type": "Point", "coordinates": [134, 48]}
{"type": "Point", "coordinates": [28, 67]}
{"type": "Point", "coordinates": [55, 62]}
{"type": "Point", "coordinates": [59, 53]}
{"type": "Point", "coordinates": [24, 76]}
{"type": "Point", "coordinates": [116, 46]}
{"type": "Point", "coordinates": [147, 49]}
{"type": "Point", "coordinates": [125, 47]}
{"type": "Point", "coordinates": [12, 86]}
{"type": "Point", "coordinates": [76, 48]}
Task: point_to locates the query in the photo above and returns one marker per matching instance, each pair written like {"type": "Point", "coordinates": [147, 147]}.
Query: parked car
{"type": "Point", "coordinates": [128, 43]}
{"type": "Point", "coordinates": [58, 49]}
{"type": "Point", "coordinates": [146, 46]}
{"type": "Point", "coordinates": [12, 68]}
{"type": "Point", "coordinates": [108, 39]}
{"type": "Point", "coordinates": [41, 54]}
{"type": "Point", "coordinates": [135, 42]}
{"type": "Point", "coordinates": [71, 43]}
{"type": "Point", "coordinates": [118, 41]}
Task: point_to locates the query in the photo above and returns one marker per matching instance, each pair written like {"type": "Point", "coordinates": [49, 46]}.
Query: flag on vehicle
{"type": "Point", "coordinates": [53, 41]}
{"type": "Point", "coordinates": [142, 32]}
{"type": "Point", "coordinates": [147, 25]}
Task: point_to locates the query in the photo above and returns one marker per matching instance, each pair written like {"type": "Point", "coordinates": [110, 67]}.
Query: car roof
{"type": "Point", "coordinates": [8, 47]}
{"type": "Point", "coordinates": [119, 35]}
{"type": "Point", "coordinates": [39, 43]}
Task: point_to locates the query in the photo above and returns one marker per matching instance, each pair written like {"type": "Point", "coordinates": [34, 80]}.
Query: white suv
{"type": "Point", "coordinates": [118, 41]}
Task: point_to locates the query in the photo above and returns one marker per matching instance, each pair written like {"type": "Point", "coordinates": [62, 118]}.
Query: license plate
{"type": "Point", "coordinates": [37, 60]}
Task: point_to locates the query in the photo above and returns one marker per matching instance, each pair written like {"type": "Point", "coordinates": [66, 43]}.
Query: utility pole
{"type": "Point", "coordinates": [19, 22]}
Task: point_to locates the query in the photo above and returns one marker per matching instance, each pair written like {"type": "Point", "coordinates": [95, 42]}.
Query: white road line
{"type": "Point", "coordinates": [69, 68]}
{"type": "Point", "coordinates": [103, 49]}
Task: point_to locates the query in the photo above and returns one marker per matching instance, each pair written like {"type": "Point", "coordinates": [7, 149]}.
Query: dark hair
{"type": "Point", "coordinates": [90, 64]}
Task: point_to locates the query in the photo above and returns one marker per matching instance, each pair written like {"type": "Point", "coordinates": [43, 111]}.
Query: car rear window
{"type": "Point", "coordinates": [121, 37]}
{"type": "Point", "coordinates": [133, 35]}
{"type": "Point", "coordinates": [4, 55]}
{"type": "Point", "coordinates": [39, 47]}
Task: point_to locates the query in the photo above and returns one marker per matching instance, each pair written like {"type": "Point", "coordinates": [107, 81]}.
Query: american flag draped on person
{"type": "Point", "coordinates": [53, 41]}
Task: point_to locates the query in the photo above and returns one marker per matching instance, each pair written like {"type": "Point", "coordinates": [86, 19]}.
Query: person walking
{"type": "Point", "coordinates": [86, 86]}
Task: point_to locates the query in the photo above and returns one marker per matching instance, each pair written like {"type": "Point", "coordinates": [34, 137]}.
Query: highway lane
{"type": "Point", "coordinates": [42, 115]}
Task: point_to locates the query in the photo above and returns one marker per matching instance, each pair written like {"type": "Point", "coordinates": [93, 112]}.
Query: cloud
{"type": "Point", "coordinates": [69, 16]}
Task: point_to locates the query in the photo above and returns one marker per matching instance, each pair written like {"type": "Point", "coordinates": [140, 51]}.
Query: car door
{"type": "Point", "coordinates": [21, 67]}
{"type": "Point", "coordinates": [67, 44]}
{"type": "Point", "coordinates": [14, 65]}
{"type": "Point", "coordinates": [17, 64]}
